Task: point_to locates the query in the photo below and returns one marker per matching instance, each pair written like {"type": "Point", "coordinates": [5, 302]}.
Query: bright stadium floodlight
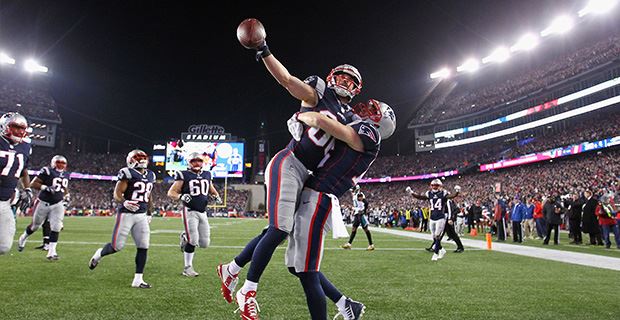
{"type": "Point", "coordinates": [32, 66]}
{"type": "Point", "coordinates": [5, 59]}
{"type": "Point", "coordinates": [598, 7]}
{"type": "Point", "coordinates": [470, 65]}
{"type": "Point", "coordinates": [560, 25]}
{"type": "Point", "coordinates": [441, 74]}
{"type": "Point", "coordinates": [498, 55]}
{"type": "Point", "coordinates": [525, 43]}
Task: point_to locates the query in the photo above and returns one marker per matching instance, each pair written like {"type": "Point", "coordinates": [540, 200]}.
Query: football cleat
{"type": "Point", "coordinates": [94, 261]}
{"type": "Point", "coordinates": [21, 243]}
{"type": "Point", "coordinates": [435, 257]}
{"type": "Point", "coordinates": [228, 282]}
{"type": "Point", "coordinates": [190, 272]}
{"type": "Point", "coordinates": [370, 247]}
{"type": "Point", "coordinates": [248, 306]}
{"type": "Point", "coordinates": [352, 310]}
{"type": "Point", "coordinates": [346, 246]}
{"type": "Point", "coordinates": [442, 252]}
{"type": "Point", "coordinates": [459, 250]}
{"type": "Point", "coordinates": [141, 285]}
{"type": "Point", "coordinates": [53, 258]}
{"type": "Point", "coordinates": [182, 241]}
{"type": "Point", "coordinates": [41, 247]}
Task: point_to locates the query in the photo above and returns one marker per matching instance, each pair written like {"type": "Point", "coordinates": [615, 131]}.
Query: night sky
{"type": "Point", "coordinates": [147, 70]}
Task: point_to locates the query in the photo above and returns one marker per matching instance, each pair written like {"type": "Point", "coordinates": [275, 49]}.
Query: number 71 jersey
{"type": "Point", "coordinates": [13, 160]}
{"type": "Point", "coordinates": [197, 186]}
{"type": "Point", "coordinates": [139, 187]}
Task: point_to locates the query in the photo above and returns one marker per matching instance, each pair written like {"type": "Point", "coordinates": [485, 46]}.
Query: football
{"type": "Point", "coordinates": [251, 33]}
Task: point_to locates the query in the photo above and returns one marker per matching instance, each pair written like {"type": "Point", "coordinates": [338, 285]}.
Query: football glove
{"type": "Point", "coordinates": [295, 127]}
{"type": "Point", "coordinates": [262, 51]}
{"type": "Point", "coordinates": [131, 205]}
{"type": "Point", "coordinates": [25, 199]}
{"type": "Point", "coordinates": [217, 199]}
{"type": "Point", "coordinates": [408, 190]}
{"type": "Point", "coordinates": [185, 198]}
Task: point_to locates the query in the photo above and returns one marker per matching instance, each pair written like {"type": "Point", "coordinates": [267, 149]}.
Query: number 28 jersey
{"type": "Point", "coordinates": [13, 160]}
{"type": "Point", "coordinates": [197, 186]}
{"type": "Point", "coordinates": [139, 187]}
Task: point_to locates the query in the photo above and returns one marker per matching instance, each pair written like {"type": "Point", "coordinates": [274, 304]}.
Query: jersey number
{"type": "Point", "coordinates": [436, 205]}
{"type": "Point", "coordinates": [9, 163]}
{"type": "Point", "coordinates": [324, 139]}
{"type": "Point", "coordinates": [142, 191]}
{"type": "Point", "coordinates": [198, 187]}
{"type": "Point", "coordinates": [60, 184]}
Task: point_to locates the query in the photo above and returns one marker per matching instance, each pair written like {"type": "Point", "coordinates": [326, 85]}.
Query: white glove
{"type": "Point", "coordinates": [295, 127]}
{"type": "Point", "coordinates": [408, 190]}
{"type": "Point", "coordinates": [185, 198]}
{"type": "Point", "coordinates": [131, 205]}
{"type": "Point", "coordinates": [217, 199]}
{"type": "Point", "coordinates": [457, 188]}
{"type": "Point", "coordinates": [149, 218]}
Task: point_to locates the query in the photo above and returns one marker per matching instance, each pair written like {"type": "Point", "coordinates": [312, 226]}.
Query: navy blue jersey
{"type": "Point", "coordinates": [345, 166]}
{"type": "Point", "coordinates": [438, 203]}
{"type": "Point", "coordinates": [139, 187]}
{"type": "Point", "coordinates": [54, 180]}
{"type": "Point", "coordinates": [13, 160]}
{"type": "Point", "coordinates": [314, 146]}
{"type": "Point", "coordinates": [197, 186]}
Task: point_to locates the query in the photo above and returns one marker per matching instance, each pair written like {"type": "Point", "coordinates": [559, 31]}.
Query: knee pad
{"type": "Point", "coordinates": [204, 243]}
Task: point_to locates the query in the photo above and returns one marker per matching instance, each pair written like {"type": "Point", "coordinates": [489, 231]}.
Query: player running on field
{"type": "Point", "coordinates": [52, 182]}
{"type": "Point", "coordinates": [193, 187]}
{"type": "Point", "coordinates": [360, 218]}
{"type": "Point", "coordinates": [133, 194]}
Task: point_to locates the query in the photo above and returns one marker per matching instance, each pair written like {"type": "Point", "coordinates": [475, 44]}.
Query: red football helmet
{"type": "Point", "coordinates": [137, 159]}
{"type": "Point", "coordinates": [345, 87]}
{"type": "Point", "coordinates": [14, 127]}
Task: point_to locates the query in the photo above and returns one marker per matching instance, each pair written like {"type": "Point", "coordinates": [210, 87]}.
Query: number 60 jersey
{"type": "Point", "coordinates": [139, 187]}
{"type": "Point", "coordinates": [197, 185]}
{"type": "Point", "coordinates": [13, 160]}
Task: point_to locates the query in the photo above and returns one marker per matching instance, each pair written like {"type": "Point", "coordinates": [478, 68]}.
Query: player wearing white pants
{"type": "Point", "coordinates": [193, 187]}
{"type": "Point", "coordinates": [437, 227]}
{"type": "Point", "coordinates": [45, 210]}
{"type": "Point", "coordinates": [7, 226]}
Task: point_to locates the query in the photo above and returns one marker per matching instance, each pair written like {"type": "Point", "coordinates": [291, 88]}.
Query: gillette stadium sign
{"type": "Point", "coordinates": [205, 132]}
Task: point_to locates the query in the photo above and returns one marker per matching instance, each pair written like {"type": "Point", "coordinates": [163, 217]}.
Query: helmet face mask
{"type": "Point", "coordinates": [195, 162]}
{"type": "Point", "coordinates": [59, 163]}
{"type": "Point", "coordinates": [14, 127]}
{"type": "Point", "coordinates": [345, 80]}
{"type": "Point", "coordinates": [137, 159]}
{"type": "Point", "coordinates": [436, 184]}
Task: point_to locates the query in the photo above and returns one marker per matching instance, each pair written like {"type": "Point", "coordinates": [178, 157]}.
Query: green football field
{"type": "Point", "coordinates": [397, 281]}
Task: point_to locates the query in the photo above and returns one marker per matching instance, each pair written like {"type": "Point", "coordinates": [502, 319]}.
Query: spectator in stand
{"type": "Point", "coordinates": [552, 209]}
{"type": "Point", "coordinates": [607, 221]}
{"type": "Point", "coordinates": [529, 226]}
{"type": "Point", "coordinates": [517, 214]}
{"type": "Point", "coordinates": [589, 219]}
{"type": "Point", "coordinates": [575, 208]}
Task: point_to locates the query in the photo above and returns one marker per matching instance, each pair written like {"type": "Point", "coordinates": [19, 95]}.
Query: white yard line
{"type": "Point", "coordinates": [584, 259]}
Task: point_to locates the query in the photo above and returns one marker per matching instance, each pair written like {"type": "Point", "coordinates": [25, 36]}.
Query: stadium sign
{"type": "Point", "coordinates": [205, 132]}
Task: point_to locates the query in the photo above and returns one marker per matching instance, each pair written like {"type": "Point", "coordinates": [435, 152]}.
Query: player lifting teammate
{"type": "Point", "coordinates": [53, 182]}
{"type": "Point", "coordinates": [289, 169]}
{"type": "Point", "coordinates": [355, 150]}
{"type": "Point", "coordinates": [438, 198]}
{"type": "Point", "coordinates": [360, 214]}
{"type": "Point", "coordinates": [132, 192]}
{"type": "Point", "coordinates": [14, 155]}
{"type": "Point", "coordinates": [193, 187]}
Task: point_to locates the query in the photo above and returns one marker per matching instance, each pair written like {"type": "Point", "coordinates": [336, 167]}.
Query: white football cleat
{"type": "Point", "coordinates": [435, 257]}
{"type": "Point", "coordinates": [190, 272]}
{"type": "Point", "coordinates": [141, 285]}
{"type": "Point", "coordinates": [94, 261]}
{"type": "Point", "coordinates": [442, 252]}
{"type": "Point", "coordinates": [370, 247]}
{"type": "Point", "coordinates": [352, 310]}
{"type": "Point", "coordinates": [346, 246]}
{"type": "Point", "coordinates": [21, 243]}
{"type": "Point", "coordinates": [248, 306]}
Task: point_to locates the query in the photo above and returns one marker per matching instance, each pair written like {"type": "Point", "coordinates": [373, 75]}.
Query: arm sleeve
{"type": "Point", "coordinates": [369, 135]}
{"type": "Point", "coordinates": [178, 175]}
{"type": "Point", "coordinates": [124, 174]}
{"type": "Point", "coordinates": [44, 174]}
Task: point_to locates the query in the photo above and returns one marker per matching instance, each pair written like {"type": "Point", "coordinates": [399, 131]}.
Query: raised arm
{"type": "Point", "coordinates": [415, 195]}
{"type": "Point", "coordinates": [297, 88]}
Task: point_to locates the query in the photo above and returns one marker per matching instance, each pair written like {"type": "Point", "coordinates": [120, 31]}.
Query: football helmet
{"type": "Point", "coordinates": [380, 114]}
{"type": "Point", "coordinates": [436, 184]}
{"type": "Point", "coordinates": [195, 161]}
{"type": "Point", "coordinates": [58, 162]}
{"type": "Point", "coordinates": [348, 90]}
{"type": "Point", "coordinates": [137, 159]}
{"type": "Point", "coordinates": [13, 127]}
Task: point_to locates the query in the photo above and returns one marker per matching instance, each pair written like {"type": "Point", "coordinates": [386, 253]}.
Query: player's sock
{"type": "Point", "coordinates": [369, 236]}
{"type": "Point", "coordinates": [107, 249]}
{"type": "Point", "coordinates": [352, 236]}
{"type": "Point", "coordinates": [315, 296]}
{"type": "Point", "coordinates": [140, 260]}
{"type": "Point", "coordinates": [263, 252]}
{"type": "Point", "coordinates": [51, 251]}
{"type": "Point", "coordinates": [188, 257]}
{"type": "Point", "coordinates": [330, 290]}
{"type": "Point", "coordinates": [341, 303]}
{"type": "Point", "coordinates": [233, 267]}
{"type": "Point", "coordinates": [249, 286]}
{"type": "Point", "coordinates": [137, 278]}
{"type": "Point", "coordinates": [246, 254]}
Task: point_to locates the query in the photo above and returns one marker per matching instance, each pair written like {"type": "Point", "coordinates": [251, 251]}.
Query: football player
{"type": "Point", "coordinates": [360, 212]}
{"type": "Point", "coordinates": [354, 152]}
{"type": "Point", "coordinates": [53, 182]}
{"type": "Point", "coordinates": [193, 187]}
{"type": "Point", "coordinates": [289, 169]}
{"type": "Point", "coordinates": [14, 155]}
{"type": "Point", "coordinates": [133, 214]}
{"type": "Point", "coordinates": [438, 198]}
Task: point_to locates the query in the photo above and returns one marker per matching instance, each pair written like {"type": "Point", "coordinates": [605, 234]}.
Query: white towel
{"type": "Point", "coordinates": [339, 230]}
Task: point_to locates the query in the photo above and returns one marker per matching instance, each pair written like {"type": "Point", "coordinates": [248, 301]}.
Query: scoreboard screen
{"type": "Point", "coordinates": [222, 158]}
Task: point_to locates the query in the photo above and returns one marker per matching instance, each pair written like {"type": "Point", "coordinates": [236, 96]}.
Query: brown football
{"type": "Point", "coordinates": [251, 33]}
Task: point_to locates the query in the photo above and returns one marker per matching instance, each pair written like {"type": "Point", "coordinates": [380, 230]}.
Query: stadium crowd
{"type": "Point", "coordinates": [447, 102]}
{"type": "Point", "coordinates": [29, 101]}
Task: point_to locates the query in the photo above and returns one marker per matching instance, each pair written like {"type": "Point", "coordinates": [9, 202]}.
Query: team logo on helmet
{"type": "Point", "coordinates": [14, 127]}
{"type": "Point", "coordinates": [137, 159]}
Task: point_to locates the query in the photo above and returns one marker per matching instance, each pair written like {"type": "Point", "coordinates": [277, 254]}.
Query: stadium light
{"type": "Point", "coordinates": [469, 65]}
{"type": "Point", "coordinates": [441, 74]}
{"type": "Point", "coordinates": [32, 66]}
{"type": "Point", "coordinates": [598, 7]}
{"type": "Point", "coordinates": [499, 55]}
{"type": "Point", "coordinates": [5, 59]}
{"type": "Point", "coordinates": [560, 25]}
{"type": "Point", "coordinates": [525, 43]}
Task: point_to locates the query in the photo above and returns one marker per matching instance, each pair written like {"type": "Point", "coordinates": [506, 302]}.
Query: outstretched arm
{"type": "Point", "coordinates": [336, 129]}
{"type": "Point", "coordinates": [297, 88]}
{"type": "Point", "coordinates": [415, 195]}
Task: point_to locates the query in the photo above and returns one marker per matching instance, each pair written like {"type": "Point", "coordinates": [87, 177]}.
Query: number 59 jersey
{"type": "Point", "coordinates": [13, 160]}
{"type": "Point", "coordinates": [197, 185]}
{"type": "Point", "coordinates": [139, 187]}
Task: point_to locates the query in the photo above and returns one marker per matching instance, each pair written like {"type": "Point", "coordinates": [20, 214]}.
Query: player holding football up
{"type": "Point", "coordinates": [133, 194]}
{"type": "Point", "coordinates": [14, 155]}
{"type": "Point", "coordinates": [193, 187]}
{"type": "Point", "coordinates": [53, 182]}
{"type": "Point", "coordinates": [438, 200]}
{"type": "Point", "coordinates": [289, 169]}
{"type": "Point", "coordinates": [354, 152]}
